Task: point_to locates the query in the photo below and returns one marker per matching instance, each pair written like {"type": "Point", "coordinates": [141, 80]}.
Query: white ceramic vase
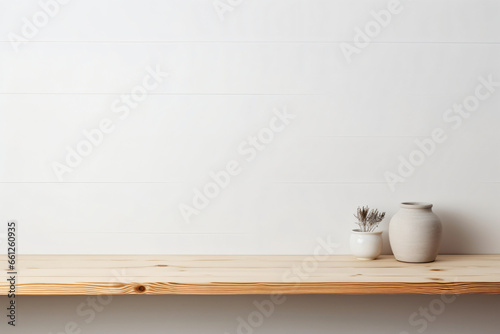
{"type": "Point", "coordinates": [366, 245]}
{"type": "Point", "coordinates": [415, 233]}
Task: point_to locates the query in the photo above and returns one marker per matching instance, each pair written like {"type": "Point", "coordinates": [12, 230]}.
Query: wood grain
{"type": "Point", "coordinates": [234, 275]}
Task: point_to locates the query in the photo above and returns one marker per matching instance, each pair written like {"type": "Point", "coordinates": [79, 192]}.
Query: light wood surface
{"type": "Point", "coordinates": [233, 275]}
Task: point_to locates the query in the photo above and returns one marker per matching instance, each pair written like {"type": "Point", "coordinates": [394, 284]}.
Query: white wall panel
{"type": "Point", "coordinates": [248, 68]}
{"type": "Point", "coordinates": [463, 21]}
{"type": "Point", "coordinates": [183, 138]}
{"type": "Point", "coordinates": [353, 120]}
{"type": "Point", "coordinates": [144, 218]}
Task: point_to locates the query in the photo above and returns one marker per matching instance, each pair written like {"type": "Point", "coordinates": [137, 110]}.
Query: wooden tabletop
{"type": "Point", "coordinates": [235, 275]}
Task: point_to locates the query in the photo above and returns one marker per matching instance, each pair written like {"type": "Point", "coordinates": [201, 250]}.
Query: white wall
{"type": "Point", "coordinates": [353, 120]}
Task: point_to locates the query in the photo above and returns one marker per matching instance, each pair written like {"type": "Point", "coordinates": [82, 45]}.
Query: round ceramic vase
{"type": "Point", "coordinates": [415, 233]}
{"type": "Point", "coordinates": [366, 245]}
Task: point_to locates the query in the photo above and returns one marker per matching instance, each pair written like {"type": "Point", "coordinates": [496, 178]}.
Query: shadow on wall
{"type": "Point", "coordinates": [460, 234]}
{"type": "Point", "coordinates": [386, 245]}
{"type": "Point", "coordinates": [320, 314]}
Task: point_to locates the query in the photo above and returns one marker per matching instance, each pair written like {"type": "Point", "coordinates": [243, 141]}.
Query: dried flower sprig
{"type": "Point", "coordinates": [368, 220]}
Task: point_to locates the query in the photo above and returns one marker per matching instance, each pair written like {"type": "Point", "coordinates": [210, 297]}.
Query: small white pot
{"type": "Point", "coordinates": [366, 245]}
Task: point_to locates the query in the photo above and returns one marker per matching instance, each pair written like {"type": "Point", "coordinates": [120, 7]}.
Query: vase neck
{"type": "Point", "coordinates": [417, 205]}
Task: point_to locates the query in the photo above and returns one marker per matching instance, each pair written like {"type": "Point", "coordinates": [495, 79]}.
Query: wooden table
{"type": "Point", "coordinates": [239, 275]}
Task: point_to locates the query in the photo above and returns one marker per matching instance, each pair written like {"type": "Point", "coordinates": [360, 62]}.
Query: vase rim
{"type": "Point", "coordinates": [416, 205]}
{"type": "Point", "coordinates": [357, 231]}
